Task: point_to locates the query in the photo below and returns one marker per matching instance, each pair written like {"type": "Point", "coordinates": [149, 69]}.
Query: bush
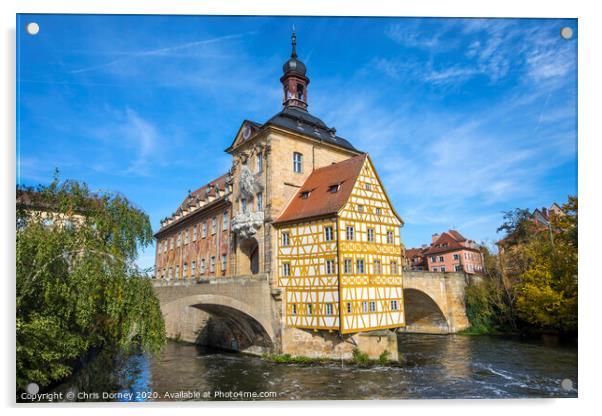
{"type": "Point", "coordinates": [360, 358]}
{"type": "Point", "coordinates": [384, 357]}
{"type": "Point", "coordinates": [479, 307]}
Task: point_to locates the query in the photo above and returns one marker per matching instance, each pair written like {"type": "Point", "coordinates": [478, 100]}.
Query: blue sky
{"type": "Point", "coordinates": [464, 118]}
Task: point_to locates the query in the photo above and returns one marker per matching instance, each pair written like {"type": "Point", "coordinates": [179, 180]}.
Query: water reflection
{"type": "Point", "coordinates": [433, 367]}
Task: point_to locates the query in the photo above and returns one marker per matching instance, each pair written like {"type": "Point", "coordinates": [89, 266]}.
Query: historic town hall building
{"type": "Point", "coordinates": [302, 206]}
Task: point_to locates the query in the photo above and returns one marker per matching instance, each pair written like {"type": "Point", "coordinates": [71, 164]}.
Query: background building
{"type": "Point", "coordinates": [448, 252]}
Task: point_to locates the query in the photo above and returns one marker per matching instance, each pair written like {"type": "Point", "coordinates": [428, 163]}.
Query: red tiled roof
{"type": "Point", "coordinates": [456, 235]}
{"type": "Point", "coordinates": [201, 192]}
{"type": "Point", "coordinates": [320, 201]}
{"type": "Point", "coordinates": [415, 252]}
{"type": "Point", "coordinates": [445, 242]}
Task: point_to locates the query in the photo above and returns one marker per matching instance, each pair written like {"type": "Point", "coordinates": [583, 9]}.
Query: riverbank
{"type": "Point", "coordinates": [546, 336]}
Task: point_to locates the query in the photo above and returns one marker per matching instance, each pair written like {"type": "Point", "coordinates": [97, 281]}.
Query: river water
{"type": "Point", "coordinates": [432, 366]}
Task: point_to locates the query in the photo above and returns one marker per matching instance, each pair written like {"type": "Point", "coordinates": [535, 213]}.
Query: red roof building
{"type": "Point", "coordinates": [449, 252]}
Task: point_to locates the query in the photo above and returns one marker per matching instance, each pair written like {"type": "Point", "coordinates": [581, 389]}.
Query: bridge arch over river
{"type": "Point", "coordinates": [230, 313]}
{"type": "Point", "coordinates": [434, 302]}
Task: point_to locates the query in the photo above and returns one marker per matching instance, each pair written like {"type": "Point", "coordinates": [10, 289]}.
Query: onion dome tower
{"type": "Point", "coordinates": [294, 80]}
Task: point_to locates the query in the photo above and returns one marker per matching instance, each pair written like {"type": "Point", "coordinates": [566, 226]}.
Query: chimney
{"type": "Point", "coordinates": [435, 237]}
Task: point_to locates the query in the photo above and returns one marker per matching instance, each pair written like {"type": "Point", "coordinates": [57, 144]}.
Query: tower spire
{"type": "Point", "coordinates": [294, 80]}
{"type": "Point", "coordinates": [294, 43]}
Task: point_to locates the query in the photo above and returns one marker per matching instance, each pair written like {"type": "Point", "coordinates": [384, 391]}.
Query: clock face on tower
{"type": "Point", "coordinates": [246, 132]}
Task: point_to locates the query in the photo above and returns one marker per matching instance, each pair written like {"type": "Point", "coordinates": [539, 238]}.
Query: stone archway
{"type": "Point", "coordinates": [219, 321]}
{"type": "Point", "coordinates": [250, 248]}
{"type": "Point", "coordinates": [423, 314]}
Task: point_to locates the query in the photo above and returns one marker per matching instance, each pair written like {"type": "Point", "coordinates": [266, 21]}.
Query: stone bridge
{"type": "Point", "coordinates": [434, 302]}
{"type": "Point", "coordinates": [238, 313]}
{"type": "Point", "coordinates": [244, 313]}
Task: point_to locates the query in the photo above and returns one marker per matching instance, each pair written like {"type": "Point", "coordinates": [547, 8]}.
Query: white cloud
{"type": "Point", "coordinates": [165, 51]}
{"type": "Point", "coordinates": [142, 137]}
{"type": "Point", "coordinates": [495, 48]}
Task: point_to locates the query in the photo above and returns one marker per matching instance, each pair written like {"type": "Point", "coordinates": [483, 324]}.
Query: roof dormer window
{"type": "Point", "coordinates": [333, 188]}
{"type": "Point", "coordinates": [305, 194]}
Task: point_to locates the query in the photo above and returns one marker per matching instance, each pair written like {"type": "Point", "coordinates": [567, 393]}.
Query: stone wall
{"type": "Point", "coordinates": [324, 344]}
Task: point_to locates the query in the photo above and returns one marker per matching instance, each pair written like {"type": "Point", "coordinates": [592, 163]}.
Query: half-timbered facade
{"type": "Point", "coordinates": [339, 253]}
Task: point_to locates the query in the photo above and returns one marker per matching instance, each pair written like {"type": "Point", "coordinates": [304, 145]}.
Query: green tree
{"type": "Point", "coordinates": [548, 289]}
{"type": "Point", "coordinates": [77, 286]}
{"type": "Point", "coordinates": [531, 284]}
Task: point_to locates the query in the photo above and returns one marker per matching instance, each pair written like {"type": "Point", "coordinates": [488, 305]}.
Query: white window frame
{"type": "Point", "coordinates": [329, 309]}
{"type": "Point", "coordinates": [370, 235]}
{"type": "Point", "coordinates": [225, 221]}
{"type": "Point", "coordinates": [372, 306]}
{"type": "Point", "coordinates": [194, 233]}
{"type": "Point", "coordinates": [377, 266]}
{"type": "Point", "coordinates": [394, 269]}
{"type": "Point", "coordinates": [394, 305]}
{"type": "Point", "coordinates": [348, 266]}
{"type": "Point", "coordinates": [285, 239]}
{"type": "Point", "coordinates": [212, 265]}
{"type": "Point", "coordinates": [330, 266]}
{"type": "Point", "coordinates": [213, 225]}
{"type": "Point", "coordinates": [224, 262]}
{"type": "Point", "coordinates": [310, 309]}
{"type": "Point", "coordinates": [349, 233]}
{"type": "Point", "coordinates": [349, 307]}
{"type": "Point", "coordinates": [203, 268]}
{"type": "Point", "coordinates": [286, 269]}
{"type": "Point", "coordinates": [297, 162]}
{"type": "Point", "coordinates": [360, 266]}
{"type": "Point", "coordinates": [364, 307]}
{"type": "Point", "coordinates": [390, 237]}
{"type": "Point", "coordinates": [328, 233]}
